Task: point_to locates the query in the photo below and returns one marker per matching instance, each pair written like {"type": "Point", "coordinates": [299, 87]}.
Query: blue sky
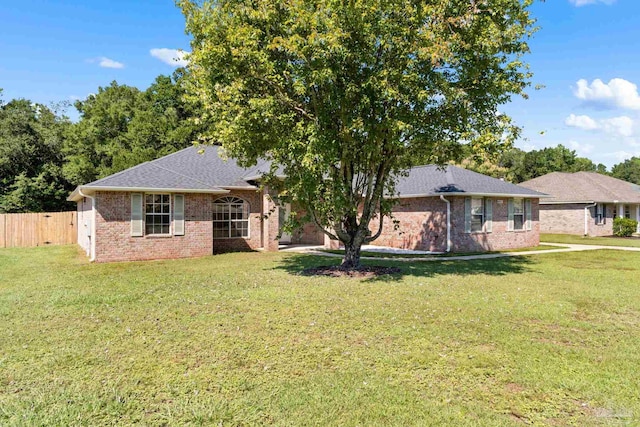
{"type": "Point", "coordinates": [586, 54]}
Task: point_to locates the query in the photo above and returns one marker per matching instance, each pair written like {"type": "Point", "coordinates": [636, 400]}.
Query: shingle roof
{"type": "Point", "coordinates": [584, 187]}
{"type": "Point", "coordinates": [432, 180]}
{"type": "Point", "coordinates": [201, 168]}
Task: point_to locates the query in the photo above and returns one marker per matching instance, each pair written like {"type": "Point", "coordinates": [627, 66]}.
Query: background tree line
{"type": "Point", "coordinates": [44, 155]}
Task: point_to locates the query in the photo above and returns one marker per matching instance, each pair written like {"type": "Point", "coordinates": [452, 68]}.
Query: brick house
{"type": "Point", "coordinates": [584, 203]}
{"type": "Point", "coordinates": [194, 203]}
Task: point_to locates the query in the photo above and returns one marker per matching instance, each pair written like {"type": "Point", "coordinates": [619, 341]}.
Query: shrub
{"type": "Point", "coordinates": [624, 227]}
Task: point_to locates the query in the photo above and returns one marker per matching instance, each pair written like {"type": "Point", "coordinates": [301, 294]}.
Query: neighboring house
{"type": "Point", "coordinates": [193, 203]}
{"type": "Point", "coordinates": [584, 203]}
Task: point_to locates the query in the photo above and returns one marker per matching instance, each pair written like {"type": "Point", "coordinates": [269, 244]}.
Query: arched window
{"type": "Point", "coordinates": [230, 218]}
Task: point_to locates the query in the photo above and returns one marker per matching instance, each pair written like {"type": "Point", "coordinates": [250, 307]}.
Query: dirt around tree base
{"type": "Point", "coordinates": [365, 271]}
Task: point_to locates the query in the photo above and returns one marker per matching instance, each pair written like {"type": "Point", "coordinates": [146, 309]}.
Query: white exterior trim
{"type": "Point", "coordinates": [494, 195]}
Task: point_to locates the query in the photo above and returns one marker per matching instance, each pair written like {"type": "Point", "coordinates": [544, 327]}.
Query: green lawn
{"type": "Point", "coordinates": [242, 339]}
{"type": "Point", "coordinates": [375, 254]}
{"type": "Point", "coordinates": [582, 240]}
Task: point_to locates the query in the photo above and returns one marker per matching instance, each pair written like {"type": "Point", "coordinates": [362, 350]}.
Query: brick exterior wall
{"type": "Point", "coordinates": [569, 219]}
{"type": "Point", "coordinates": [499, 239]}
{"type": "Point", "coordinates": [113, 231]}
{"type": "Point", "coordinates": [423, 226]}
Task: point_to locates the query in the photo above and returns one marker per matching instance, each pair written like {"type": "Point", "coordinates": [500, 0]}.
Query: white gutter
{"type": "Point", "coordinates": [586, 218]}
{"type": "Point", "coordinates": [448, 222]}
{"type": "Point", "coordinates": [459, 193]}
{"type": "Point", "coordinates": [92, 250]}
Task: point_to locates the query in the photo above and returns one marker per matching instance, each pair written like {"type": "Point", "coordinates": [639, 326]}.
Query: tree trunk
{"type": "Point", "coordinates": [351, 260]}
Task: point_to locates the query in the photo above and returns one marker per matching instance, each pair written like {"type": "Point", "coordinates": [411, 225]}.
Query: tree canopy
{"type": "Point", "coordinates": [121, 126]}
{"type": "Point", "coordinates": [345, 96]}
{"type": "Point", "coordinates": [43, 154]}
{"type": "Point", "coordinates": [517, 166]}
{"type": "Point", "coordinates": [629, 170]}
{"type": "Point", "coordinates": [31, 138]}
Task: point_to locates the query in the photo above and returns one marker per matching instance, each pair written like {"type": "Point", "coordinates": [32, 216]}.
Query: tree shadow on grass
{"type": "Point", "coordinates": [297, 264]}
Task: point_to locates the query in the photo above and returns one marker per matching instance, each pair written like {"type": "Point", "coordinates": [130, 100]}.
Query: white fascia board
{"type": "Point", "coordinates": [75, 196]}
{"type": "Point", "coordinates": [523, 196]}
{"type": "Point", "coordinates": [240, 187]}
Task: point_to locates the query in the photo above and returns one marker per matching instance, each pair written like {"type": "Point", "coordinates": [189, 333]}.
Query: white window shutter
{"type": "Point", "coordinates": [488, 211]}
{"type": "Point", "coordinates": [178, 215]}
{"type": "Point", "coordinates": [527, 211]}
{"type": "Point", "coordinates": [467, 215]}
{"type": "Point", "coordinates": [137, 221]}
{"type": "Point", "coordinates": [510, 217]}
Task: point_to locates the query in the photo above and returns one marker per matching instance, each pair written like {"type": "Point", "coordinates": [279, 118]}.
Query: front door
{"type": "Point", "coordinates": [283, 216]}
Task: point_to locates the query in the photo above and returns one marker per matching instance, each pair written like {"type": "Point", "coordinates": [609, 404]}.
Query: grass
{"type": "Point", "coordinates": [375, 254]}
{"type": "Point", "coordinates": [242, 339]}
{"type": "Point", "coordinates": [585, 240]}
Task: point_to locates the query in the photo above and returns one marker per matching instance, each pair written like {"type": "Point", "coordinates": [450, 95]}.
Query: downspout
{"type": "Point", "coordinates": [448, 222]}
{"type": "Point", "coordinates": [92, 250]}
{"type": "Point", "coordinates": [586, 218]}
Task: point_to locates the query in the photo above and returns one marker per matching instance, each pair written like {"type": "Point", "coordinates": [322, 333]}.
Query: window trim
{"type": "Point", "coordinates": [246, 206]}
{"type": "Point", "coordinates": [144, 219]}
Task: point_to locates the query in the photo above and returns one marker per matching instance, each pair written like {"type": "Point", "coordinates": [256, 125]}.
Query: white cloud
{"type": "Point", "coordinates": [617, 126]}
{"type": "Point", "coordinates": [582, 149]}
{"type": "Point", "coordinates": [617, 93]}
{"type": "Point", "coordinates": [173, 57]}
{"type": "Point", "coordinates": [622, 126]}
{"type": "Point", "coordinates": [105, 62]}
{"type": "Point", "coordinates": [579, 3]}
{"type": "Point", "coordinates": [621, 156]}
{"type": "Point", "coordinates": [581, 122]}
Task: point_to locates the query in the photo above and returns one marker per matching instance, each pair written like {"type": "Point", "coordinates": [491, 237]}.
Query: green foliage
{"type": "Point", "coordinates": [121, 126]}
{"type": "Point", "coordinates": [629, 170]}
{"type": "Point", "coordinates": [345, 96]}
{"type": "Point", "coordinates": [624, 227]}
{"type": "Point", "coordinates": [516, 165]}
{"type": "Point", "coordinates": [31, 138]}
{"type": "Point", "coordinates": [242, 339]}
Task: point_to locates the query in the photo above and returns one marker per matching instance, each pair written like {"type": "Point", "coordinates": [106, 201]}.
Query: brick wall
{"type": "Point", "coordinates": [499, 239]}
{"type": "Point", "coordinates": [113, 230]}
{"type": "Point", "coordinates": [423, 226]}
{"type": "Point", "coordinates": [569, 219]}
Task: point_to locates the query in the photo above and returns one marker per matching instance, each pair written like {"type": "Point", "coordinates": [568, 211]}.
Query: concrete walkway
{"type": "Point", "coordinates": [562, 247]}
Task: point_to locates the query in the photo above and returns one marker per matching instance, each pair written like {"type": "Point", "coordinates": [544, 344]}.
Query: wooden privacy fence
{"type": "Point", "coordinates": [38, 229]}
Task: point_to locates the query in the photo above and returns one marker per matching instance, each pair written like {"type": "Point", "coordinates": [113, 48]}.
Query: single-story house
{"type": "Point", "coordinates": [194, 203]}
{"type": "Point", "coordinates": [584, 203]}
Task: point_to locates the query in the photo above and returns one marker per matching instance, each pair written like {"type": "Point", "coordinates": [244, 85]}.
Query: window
{"type": "Point", "coordinates": [627, 211]}
{"type": "Point", "coordinates": [157, 216]}
{"type": "Point", "coordinates": [477, 215]}
{"type": "Point", "coordinates": [230, 218]}
{"type": "Point", "coordinates": [601, 213]}
{"type": "Point", "coordinates": [518, 214]}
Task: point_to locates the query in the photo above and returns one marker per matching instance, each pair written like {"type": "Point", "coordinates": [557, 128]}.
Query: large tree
{"type": "Point", "coordinates": [347, 95]}
{"type": "Point", "coordinates": [629, 170]}
{"type": "Point", "coordinates": [121, 126]}
{"type": "Point", "coordinates": [31, 138]}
